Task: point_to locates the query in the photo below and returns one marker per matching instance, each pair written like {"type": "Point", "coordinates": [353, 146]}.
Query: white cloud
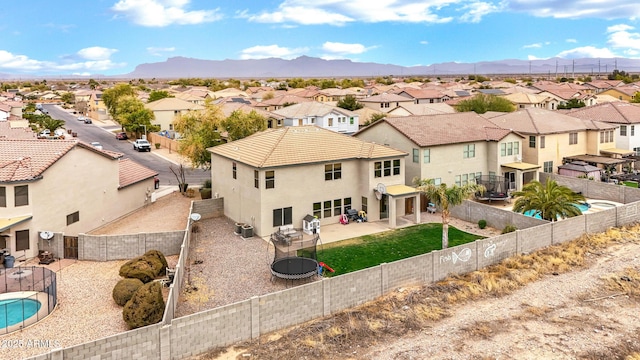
{"type": "Point", "coordinates": [96, 53]}
{"type": "Point", "coordinates": [532, 46]}
{"type": "Point", "coordinates": [342, 48]}
{"type": "Point", "coordinates": [22, 63]}
{"type": "Point", "coordinates": [533, 57]}
{"type": "Point", "coordinates": [474, 11]}
{"type": "Point", "coordinates": [272, 51]}
{"type": "Point", "coordinates": [159, 51]}
{"type": "Point", "coordinates": [159, 13]}
{"type": "Point", "coordinates": [424, 42]}
{"type": "Point", "coordinates": [619, 9]}
{"type": "Point", "coordinates": [339, 13]}
{"type": "Point", "coordinates": [573, 41]}
{"type": "Point", "coordinates": [586, 52]}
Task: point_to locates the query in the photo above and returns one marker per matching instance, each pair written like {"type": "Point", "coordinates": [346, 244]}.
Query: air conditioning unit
{"type": "Point", "coordinates": [216, 195]}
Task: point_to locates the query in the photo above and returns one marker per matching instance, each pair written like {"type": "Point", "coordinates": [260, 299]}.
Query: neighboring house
{"type": "Point", "coordinates": [553, 138]}
{"type": "Point", "coordinates": [600, 85]}
{"type": "Point", "coordinates": [168, 109]}
{"type": "Point", "coordinates": [385, 102]}
{"type": "Point", "coordinates": [277, 177]}
{"type": "Point", "coordinates": [622, 114]}
{"type": "Point", "coordinates": [16, 129]}
{"type": "Point", "coordinates": [424, 96]}
{"type": "Point", "coordinates": [320, 114]}
{"type": "Point", "coordinates": [273, 120]}
{"type": "Point", "coordinates": [453, 148]}
{"type": "Point", "coordinates": [280, 102]}
{"type": "Point", "coordinates": [527, 100]}
{"type": "Point", "coordinates": [15, 106]}
{"type": "Point", "coordinates": [198, 100]}
{"type": "Point", "coordinates": [422, 109]}
{"type": "Point", "coordinates": [5, 112]}
{"type": "Point", "coordinates": [623, 93]}
{"type": "Point", "coordinates": [96, 108]}
{"type": "Point", "coordinates": [64, 186]}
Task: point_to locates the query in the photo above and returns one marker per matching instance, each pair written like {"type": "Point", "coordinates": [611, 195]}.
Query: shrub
{"type": "Point", "coordinates": [206, 184]}
{"type": "Point", "coordinates": [146, 307]}
{"type": "Point", "coordinates": [146, 267]}
{"type": "Point", "coordinates": [482, 224]}
{"type": "Point", "coordinates": [124, 290]}
{"type": "Point", "coordinates": [509, 228]}
{"type": "Point", "coordinates": [157, 145]}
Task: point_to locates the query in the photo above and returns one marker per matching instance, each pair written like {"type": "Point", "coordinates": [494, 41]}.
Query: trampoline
{"type": "Point", "coordinates": [294, 255]}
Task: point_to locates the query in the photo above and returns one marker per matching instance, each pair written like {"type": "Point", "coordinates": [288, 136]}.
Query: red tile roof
{"type": "Point", "coordinates": [616, 112]}
{"type": "Point", "coordinates": [131, 172]}
{"type": "Point", "coordinates": [25, 160]}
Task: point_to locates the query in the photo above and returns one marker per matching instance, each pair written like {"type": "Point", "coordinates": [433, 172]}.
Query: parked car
{"type": "Point", "coordinates": [121, 136]}
{"type": "Point", "coordinates": [96, 145]}
{"type": "Point", "coordinates": [81, 118]}
{"type": "Point", "coordinates": [142, 145]}
{"type": "Point", "coordinates": [45, 132]}
{"type": "Point", "coordinates": [88, 121]}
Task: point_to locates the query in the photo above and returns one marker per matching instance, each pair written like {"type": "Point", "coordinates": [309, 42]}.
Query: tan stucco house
{"type": "Point", "coordinates": [277, 177]}
{"type": "Point", "coordinates": [453, 148]}
{"type": "Point", "coordinates": [168, 109]}
{"type": "Point", "coordinates": [63, 186]}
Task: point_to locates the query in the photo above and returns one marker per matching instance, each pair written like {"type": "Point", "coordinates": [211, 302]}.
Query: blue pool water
{"type": "Point", "coordinates": [13, 311]}
{"type": "Point", "coordinates": [582, 206]}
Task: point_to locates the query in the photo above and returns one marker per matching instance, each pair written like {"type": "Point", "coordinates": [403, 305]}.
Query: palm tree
{"type": "Point", "coordinates": [444, 197]}
{"type": "Point", "coordinates": [551, 201]}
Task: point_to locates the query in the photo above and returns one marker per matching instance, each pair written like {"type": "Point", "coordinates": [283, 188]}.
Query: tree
{"type": "Point", "coordinates": [375, 117]}
{"type": "Point", "coordinates": [132, 115]}
{"type": "Point", "coordinates": [572, 104]}
{"type": "Point", "coordinates": [241, 124]}
{"type": "Point", "coordinates": [551, 201]}
{"type": "Point", "coordinates": [158, 94]}
{"type": "Point", "coordinates": [200, 130]}
{"type": "Point", "coordinates": [112, 96]}
{"type": "Point", "coordinates": [349, 102]}
{"type": "Point", "coordinates": [68, 98]}
{"type": "Point", "coordinates": [482, 103]}
{"type": "Point", "coordinates": [444, 197]}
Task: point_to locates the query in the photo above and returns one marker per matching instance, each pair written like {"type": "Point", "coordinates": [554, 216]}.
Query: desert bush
{"type": "Point", "coordinates": [482, 224]}
{"type": "Point", "coordinates": [124, 290]}
{"type": "Point", "coordinates": [509, 228]}
{"type": "Point", "coordinates": [146, 307]}
{"type": "Point", "coordinates": [146, 267]}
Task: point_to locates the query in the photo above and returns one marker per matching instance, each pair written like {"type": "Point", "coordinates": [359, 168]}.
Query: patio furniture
{"type": "Point", "coordinates": [431, 208]}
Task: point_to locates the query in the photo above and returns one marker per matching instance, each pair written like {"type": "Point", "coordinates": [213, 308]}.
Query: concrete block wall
{"type": "Point", "coordinates": [455, 260]}
{"type": "Point", "coordinates": [627, 214]}
{"type": "Point", "coordinates": [288, 308]}
{"type": "Point", "coordinates": [355, 288]}
{"type": "Point", "coordinates": [416, 270]}
{"type": "Point", "coordinates": [198, 333]}
{"type": "Point", "coordinates": [140, 343]}
{"type": "Point", "coordinates": [535, 238]}
{"type": "Point", "coordinates": [122, 247]}
{"type": "Point", "coordinates": [209, 208]}
{"type": "Point", "coordinates": [567, 229]}
{"type": "Point", "coordinates": [602, 220]}
{"type": "Point", "coordinates": [493, 250]}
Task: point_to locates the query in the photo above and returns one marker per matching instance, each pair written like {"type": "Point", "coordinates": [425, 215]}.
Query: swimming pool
{"type": "Point", "coordinates": [15, 311]}
{"type": "Point", "coordinates": [583, 207]}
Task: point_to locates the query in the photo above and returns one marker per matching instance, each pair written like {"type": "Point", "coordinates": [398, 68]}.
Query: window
{"type": "Point", "coordinates": [542, 142]}
{"type": "Point", "coordinates": [377, 169]}
{"type": "Point", "coordinates": [330, 122]}
{"type": "Point", "coordinates": [283, 216]}
{"type": "Point", "coordinates": [465, 179]}
{"type": "Point", "coordinates": [633, 130]}
{"type": "Point", "coordinates": [73, 218]}
{"type": "Point", "coordinates": [623, 130]}
{"type": "Point", "coordinates": [256, 179]}
{"type": "Point", "coordinates": [21, 195]}
{"type": "Point", "coordinates": [235, 170]}
{"type": "Point", "coordinates": [387, 168]}
{"type": "Point", "coordinates": [492, 176]}
{"type": "Point", "coordinates": [317, 210]}
{"type": "Point", "coordinates": [548, 166]}
{"type": "Point", "coordinates": [503, 149]}
{"type": "Point", "coordinates": [437, 181]}
{"type": "Point", "coordinates": [22, 240]}
{"type": "Point", "coordinates": [516, 148]}
{"type": "Point", "coordinates": [426, 156]}
{"type": "Point", "coordinates": [637, 150]}
{"type": "Point", "coordinates": [606, 136]}
{"type": "Point", "coordinates": [337, 207]}
{"type": "Point", "coordinates": [333, 171]}
{"type": "Point", "coordinates": [270, 179]}
{"type": "Point", "coordinates": [396, 167]}
{"type": "Point", "coordinates": [364, 204]}
{"type": "Point", "coordinates": [327, 209]}
{"type": "Point", "coordinates": [416, 155]}
{"type": "Point", "coordinates": [3, 197]}
{"type": "Point", "coordinates": [347, 204]}
{"type": "Point", "coordinates": [457, 180]}
{"type": "Point", "coordinates": [532, 141]}
{"type": "Point", "coordinates": [351, 121]}
{"type": "Point", "coordinates": [573, 138]}
{"type": "Point", "coordinates": [469, 151]}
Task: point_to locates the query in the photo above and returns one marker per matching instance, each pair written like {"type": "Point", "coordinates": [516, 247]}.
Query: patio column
{"type": "Point", "coordinates": [392, 212]}
{"type": "Point", "coordinates": [417, 208]}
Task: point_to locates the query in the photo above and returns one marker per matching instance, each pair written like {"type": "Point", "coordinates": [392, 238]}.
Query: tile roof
{"type": "Point", "coordinates": [311, 108]}
{"type": "Point", "coordinates": [13, 130]}
{"type": "Point", "coordinates": [131, 172]}
{"type": "Point", "coordinates": [445, 129]}
{"type": "Point", "coordinates": [616, 112]}
{"type": "Point", "coordinates": [300, 145]}
{"type": "Point", "coordinates": [168, 104]}
{"type": "Point", "coordinates": [541, 121]}
{"type": "Point", "coordinates": [386, 97]}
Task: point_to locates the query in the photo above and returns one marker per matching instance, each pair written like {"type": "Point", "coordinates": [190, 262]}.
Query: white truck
{"type": "Point", "coordinates": [141, 145]}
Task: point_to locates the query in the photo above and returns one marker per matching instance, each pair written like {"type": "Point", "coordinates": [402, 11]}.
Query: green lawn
{"type": "Point", "coordinates": [632, 184]}
{"type": "Point", "coordinates": [371, 250]}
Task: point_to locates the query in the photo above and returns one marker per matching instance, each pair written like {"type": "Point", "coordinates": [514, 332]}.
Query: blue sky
{"type": "Point", "coordinates": [111, 37]}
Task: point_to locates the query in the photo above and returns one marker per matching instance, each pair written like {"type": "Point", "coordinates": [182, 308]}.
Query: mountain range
{"type": "Point", "coordinates": [310, 67]}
